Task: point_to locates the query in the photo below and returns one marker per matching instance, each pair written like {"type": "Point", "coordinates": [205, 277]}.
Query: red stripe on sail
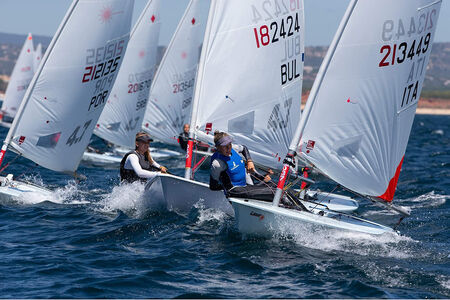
{"type": "Point", "coordinates": [390, 191]}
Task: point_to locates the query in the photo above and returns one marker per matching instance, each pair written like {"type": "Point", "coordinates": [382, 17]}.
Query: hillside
{"type": "Point", "coordinates": [436, 86]}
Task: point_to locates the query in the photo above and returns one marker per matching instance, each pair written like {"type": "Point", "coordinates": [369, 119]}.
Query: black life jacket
{"type": "Point", "coordinates": [129, 175]}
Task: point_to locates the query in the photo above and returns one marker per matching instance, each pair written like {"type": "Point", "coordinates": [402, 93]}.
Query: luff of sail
{"type": "Point", "coordinates": [122, 116]}
{"type": "Point", "coordinates": [170, 100]}
{"type": "Point", "coordinates": [20, 79]}
{"type": "Point", "coordinates": [360, 123]}
{"type": "Point", "coordinates": [66, 96]}
{"type": "Point", "coordinates": [250, 76]}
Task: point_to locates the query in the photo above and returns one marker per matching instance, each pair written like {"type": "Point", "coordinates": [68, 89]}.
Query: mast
{"type": "Point", "coordinates": [198, 84]}
{"type": "Point", "coordinates": [288, 161]}
{"type": "Point", "coordinates": [27, 95]}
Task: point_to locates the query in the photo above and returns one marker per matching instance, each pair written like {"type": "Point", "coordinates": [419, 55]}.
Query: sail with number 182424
{"type": "Point", "coordinates": [248, 86]}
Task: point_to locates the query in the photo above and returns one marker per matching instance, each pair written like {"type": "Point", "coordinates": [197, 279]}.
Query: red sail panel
{"type": "Point", "coordinates": [390, 191]}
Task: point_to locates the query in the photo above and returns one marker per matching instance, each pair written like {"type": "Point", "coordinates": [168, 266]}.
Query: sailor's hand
{"type": "Point", "coordinates": [267, 177]}
{"type": "Point", "coordinates": [163, 169]}
{"type": "Point", "coordinates": [250, 166]}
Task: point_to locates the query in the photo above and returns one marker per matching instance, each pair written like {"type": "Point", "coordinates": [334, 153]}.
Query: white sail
{"type": "Point", "coordinates": [68, 92]}
{"type": "Point", "coordinates": [172, 90]}
{"type": "Point", "coordinates": [122, 117]}
{"type": "Point", "coordinates": [37, 57]}
{"type": "Point", "coordinates": [360, 122]}
{"type": "Point", "coordinates": [20, 79]}
{"type": "Point", "coordinates": [250, 75]}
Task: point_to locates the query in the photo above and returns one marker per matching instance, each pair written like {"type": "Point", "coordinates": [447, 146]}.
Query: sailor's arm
{"type": "Point", "coordinates": [158, 166]}
{"type": "Point", "coordinates": [214, 177]}
{"type": "Point", "coordinates": [244, 151]}
{"type": "Point", "coordinates": [134, 162]}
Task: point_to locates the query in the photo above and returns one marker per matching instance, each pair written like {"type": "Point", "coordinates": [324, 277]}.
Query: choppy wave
{"type": "Point", "coordinates": [113, 246]}
{"type": "Point", "coordinates": [127, 198]}
{"type": "Point", "coordinates": [430, 199]}
{"type": "Point", "coordinates": [327, 239]}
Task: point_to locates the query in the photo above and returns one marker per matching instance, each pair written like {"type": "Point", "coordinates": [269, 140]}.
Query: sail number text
{"type": "Point", "coordinates": [412, 37]}
{"type": "Point", "coordinates": [74, 138]}
{"type": "Point", "coordinates": [101, 65]}
{"type": "Point", "coordinates": [399, 53]}
{"type": "Point", "coordinates": [270, 9]}
{"type": "Point", "coordinates": [264, 35]}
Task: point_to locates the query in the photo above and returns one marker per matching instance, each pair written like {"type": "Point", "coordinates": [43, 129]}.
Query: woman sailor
{"type": "Point", "coordinates": [138, 164]}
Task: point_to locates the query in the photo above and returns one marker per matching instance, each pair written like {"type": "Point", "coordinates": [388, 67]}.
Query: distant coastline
{"type": "Point", "coordinates": [426, 106]}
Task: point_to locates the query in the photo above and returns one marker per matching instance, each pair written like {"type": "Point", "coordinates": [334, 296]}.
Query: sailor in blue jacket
{"type": "Point", "coordinates": [228, 171]}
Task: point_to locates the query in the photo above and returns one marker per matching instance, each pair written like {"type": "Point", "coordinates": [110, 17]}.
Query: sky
{"type": "Point", "coordinates": [322, 17]}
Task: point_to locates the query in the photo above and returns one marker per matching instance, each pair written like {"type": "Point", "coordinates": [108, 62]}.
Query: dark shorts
{"type": "Point", "coordinates": [258, 192]}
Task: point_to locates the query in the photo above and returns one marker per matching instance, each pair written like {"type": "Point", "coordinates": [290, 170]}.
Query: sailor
{"type": "Point", "coordinates": [138, 164]}
{"type": "Point", "coordinates": [228, 171]}
{"type": "Point", "coordinates": [183, 138]}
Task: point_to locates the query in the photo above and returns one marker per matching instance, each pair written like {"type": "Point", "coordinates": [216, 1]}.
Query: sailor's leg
{"type": "Point", "coordinates": [258, 192]}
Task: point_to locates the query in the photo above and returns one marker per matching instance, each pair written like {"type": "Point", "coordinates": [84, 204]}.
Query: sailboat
{"type": "Point", "coordinates": [122, 116]}
{"type": "Point", "coordinates": [358, 117]}
{"type": "Point", "coordinates": [248, 84]}
{"type": "Point", "coordinates": [20, 79]}
{"type": "Point", "coordinates": [170, 101]}
{"type": "Point", "coordinates": [67, 94]}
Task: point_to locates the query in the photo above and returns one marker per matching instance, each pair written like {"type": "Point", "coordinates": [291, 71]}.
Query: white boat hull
{"type": "Point", "coordinates": [331, 201]}
{"type": "Point", "coordinates": [173, 193]}
{"type": "Point", "coordinates": [14, 191]}
{"type": "Point", "coordinates": [106, 159]}
{"type": "Point", "coordinates": [109, 159]}
{"type": "Point", "coordinates": [258, 218]}
{"type": "Point", "coordinates": [5, 124]}
{"type": "Point", "coordinates": [178, 194]}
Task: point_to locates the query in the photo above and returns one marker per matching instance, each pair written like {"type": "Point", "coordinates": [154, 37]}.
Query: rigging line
{"type": "Point", "coordinates": [199, 164]}
{"type": "Point", "coordinates": [27, 170]}
{"type": "Point", "coordinates": [321, 202]}
{"type": "Point", "coordinates": [292, 198]}
{"type": "Point", "coordinates": [8, 164]}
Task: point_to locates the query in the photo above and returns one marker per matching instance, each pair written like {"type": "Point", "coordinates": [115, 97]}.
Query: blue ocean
{"type": "Point", "coordinates": [97, 243]}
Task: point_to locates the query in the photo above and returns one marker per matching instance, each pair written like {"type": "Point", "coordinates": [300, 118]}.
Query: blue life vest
{"type": "Point", "coordinates": [236, 167]}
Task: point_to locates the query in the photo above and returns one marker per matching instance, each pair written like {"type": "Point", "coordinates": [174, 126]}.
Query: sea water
{"type": "Point", "coordinates": [95, 241]}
